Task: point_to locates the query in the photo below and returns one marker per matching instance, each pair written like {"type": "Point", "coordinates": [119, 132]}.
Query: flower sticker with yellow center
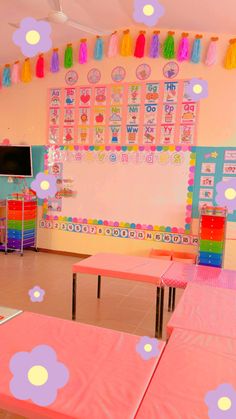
{"type": "Point", "coordinates": [148, 348]}
{"type": "Point", "coordinates": [221, 402]}
{"type": "Point", "coordinates": [44, 185]}
{"type": "Point", "coordinates": [36, 294]}
{"type": "Point", "coordinates": [33, 36]}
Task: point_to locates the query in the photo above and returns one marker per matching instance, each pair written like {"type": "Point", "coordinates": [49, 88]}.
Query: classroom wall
{"type": "Point", "coordinates": [23, 110]}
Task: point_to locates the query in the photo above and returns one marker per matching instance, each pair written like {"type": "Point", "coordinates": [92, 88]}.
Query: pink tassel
{"type": "Point", "coordinates": [40, 67]}
{"type": "Point", "coordinates": [113, 45]}
{"type": "Point", "coordinates": [211, 57]}
{"type": "Point", "coordinates": [183, 49]}
{"type": "Point", "coordinates": [83, 51]}
{"type": "Point", "coordinates": [15, 72]}
{"type": "Point", "coordinates": [140, 45]}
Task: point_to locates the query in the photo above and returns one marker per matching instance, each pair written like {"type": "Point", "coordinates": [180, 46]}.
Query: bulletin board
{"type": "Point", "coordinates": [128, 191]}
{"type": "Point", "coordinates": [142, 113]}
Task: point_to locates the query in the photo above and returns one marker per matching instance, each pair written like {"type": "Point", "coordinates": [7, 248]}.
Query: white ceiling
{"type": "Point", "coordinates": [213, 16]}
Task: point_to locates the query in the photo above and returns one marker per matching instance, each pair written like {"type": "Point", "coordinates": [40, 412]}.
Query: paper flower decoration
{"type": "Point", "coordinates": [36, 294]}
{"type": "Point", "coordinates": [226, 194]}
{"type": "Point", "coordinates": [44, 185]}
{"type": "Point", "coordinates": [148, 348]}
{"type": "Point", "coordinates": [37, 375]}
{"type": "Point", "coordinates": [147, 11]}
{"type": "Point", "coordinates": [197, 89]}
{"type": "Point", "coordinates": [33, 36]}
{"type": "Point", "coordinates": [221, 402]}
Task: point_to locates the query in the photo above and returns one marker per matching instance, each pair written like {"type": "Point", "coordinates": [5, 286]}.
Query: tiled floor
{"type": "Point", "coordinates": [124, 305]}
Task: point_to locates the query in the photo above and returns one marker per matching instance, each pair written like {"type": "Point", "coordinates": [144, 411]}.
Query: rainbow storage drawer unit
{"type": "Point", "coordinates": [21, 221]}
{"type": "Point", "coordinates": [212, 236]}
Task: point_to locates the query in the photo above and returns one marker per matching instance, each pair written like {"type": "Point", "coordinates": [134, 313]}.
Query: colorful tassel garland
{"type": "Point", "coordinates": [211, 57]}
{"type": "Point", "coordinates": [6, 77]}
{"type": "Point", "coordinates": [99, 49]}
{"type": "Point", "coordinates": [68, 57]}
{"type": "Point", "coordinates": [230, 59]}
{"type": "Point", "coordinates": [83, 51]}
{"type": "Point", "coordinates": [196, 50]}
{"type": "Point", "coordinates": [126, 44]}
{"type": "Point", "coordinates": [155, 45]}
{"type": "Point", "coordinates": [26, 75]}
{"type": "Point", "coordinates": [54, 66]}
{"type": "Point", "coordinates": [169, 46]}
{"type": "Point", "coordinates": [140, 45]}
{"type": "Point", "coordinates": [113, 45]}
{"type": "Point", "coordinates": [40, 67]}
{"type": "Point", "coordinates": [183, 49]}
{"type": "Point", "coordinates": [15, 76]}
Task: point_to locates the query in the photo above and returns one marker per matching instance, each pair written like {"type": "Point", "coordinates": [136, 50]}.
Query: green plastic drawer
{"type": "Point", "coordinates": [211, 246]}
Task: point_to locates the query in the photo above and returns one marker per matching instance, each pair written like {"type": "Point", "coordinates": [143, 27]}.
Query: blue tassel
{"type": "Point", "coordinates": [99, 49]}
{"type": "Point", "coordinates": [196, 51]}
{"type": "Point", "coordinates": [6, 78]}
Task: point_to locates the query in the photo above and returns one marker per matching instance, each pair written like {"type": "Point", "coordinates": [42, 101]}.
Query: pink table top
{"type": "Point", "coordinates": [179, 274]}
{"type": "Point", "coordinates": [107, 377]}
{"type": "Point", "coordinates": [122, 266]}
{"type": "Point", "coordinates": [191, 366]}
{"type": "Point", "coordinates": [206, 310]}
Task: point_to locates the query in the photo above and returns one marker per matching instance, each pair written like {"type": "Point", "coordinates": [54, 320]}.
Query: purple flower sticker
{"type": "Point", "coordinates": [37, 375]}
{"type": "Point", "coordinates": [197, 89]}
{"type": "Point", "coordinates": [147, 11]}
{"type": "Point", "coordinates": [44, 185]}
{"type": "Point", "coordinates": [33, 36]}
{"type": "Point", "coordinates": [148, 348]}
{"type": "Point", "coordinates": [221, 402]}
{"type": "Point", "coordinates": [226, 194]}
{"type": "Point", "coordinates": [36, 294]}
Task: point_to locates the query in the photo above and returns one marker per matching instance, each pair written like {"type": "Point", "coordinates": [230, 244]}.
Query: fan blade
{"type": "Point", "coordinates": [87, 29]}
{"type": "Point", "coordinates": [56, 5]}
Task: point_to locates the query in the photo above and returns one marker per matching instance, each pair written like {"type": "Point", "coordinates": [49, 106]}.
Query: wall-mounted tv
{"type": "Point", "coordinates": [16, 161]}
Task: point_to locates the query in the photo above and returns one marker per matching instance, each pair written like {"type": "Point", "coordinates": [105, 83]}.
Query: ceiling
{"type": "Point", "coordinates": [189, 15]}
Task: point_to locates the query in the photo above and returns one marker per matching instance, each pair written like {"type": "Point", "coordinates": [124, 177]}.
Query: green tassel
{"type": "Point", "coordinates": [169, 46]}
{"type": "Point", "coordinates": [68, 58]}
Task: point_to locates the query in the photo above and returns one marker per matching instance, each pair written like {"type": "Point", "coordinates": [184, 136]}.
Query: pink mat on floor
{"type": "Point", "coordinates": [122, 266]}
{"type": "Point", "coordinates": [192, 365]}
{"type": "Point", "coordinates": [206, 310]}
{"type": "Point", "coordinates": [108, 377]}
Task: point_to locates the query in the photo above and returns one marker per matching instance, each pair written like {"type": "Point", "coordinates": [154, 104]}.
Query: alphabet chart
{"type": "Point", "coordinates": [139, 113]}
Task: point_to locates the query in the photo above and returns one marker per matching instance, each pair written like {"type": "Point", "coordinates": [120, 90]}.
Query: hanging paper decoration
{"type": "Point", "coordinates": [113, 45]}
{"type": "Point", "coordinates": [99, 49]}
{"type": "Point", "coordinates": [211, 56]}
{"type": "Point", "coordinates": [140, 45]}
{"type": "Point", "coordinates": [230, 59]}
{"type": "Point", "coordinates": [155, 45]}
{"type": "Point", "coordinates": [68, 57]}
{"type": "Point", "coordinates": [183, 49]}
{"type": "Point", "coordinates": [6, 77]}
{"type": "Point", "coordinates": [126, 44]}
{"type": "Point", "coordinates": [33, 36]}
{"type": "Point", "coordinates": [54, 66]}
{"type": "Point", "coordinates": [169, 46]}
{"type": "Point", "coordinates": [196, 50]}
{"type": "Point", "coordinates": [40, 67]}
{"type": "Point", "coordinates": [83, 51]}
{"type": "Point", "coordinates": [26, 75]}
{"type": "Point", "coordinates": [15, 72]}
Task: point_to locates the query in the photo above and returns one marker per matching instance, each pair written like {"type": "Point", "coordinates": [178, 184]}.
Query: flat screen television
{"type": "Point", "coordinates": [16, 161]}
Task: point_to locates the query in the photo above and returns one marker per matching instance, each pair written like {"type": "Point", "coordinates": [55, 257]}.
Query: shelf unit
{"type": "Point", "coordinates": [212, 233]}
{"type": "Point", "coordinates": [21, 223]}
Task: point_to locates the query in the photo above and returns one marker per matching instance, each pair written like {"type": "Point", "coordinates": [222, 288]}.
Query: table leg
{"type": "Point", "coordinates": [161, 310]}
{"type": "Point", "coordinates": [99, 286]}
{"type": "Point", "coordinates": [74, 297]}
{"type": "Point", "coordinates": [170, 299]}
{"type": "Point", "coordinates": [157, 312]}
{"type": "Point", "coordinates": [173, 299]}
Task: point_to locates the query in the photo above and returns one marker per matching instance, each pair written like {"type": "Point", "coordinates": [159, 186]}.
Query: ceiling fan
{"type": "Point", "coordinates": [58, 16]}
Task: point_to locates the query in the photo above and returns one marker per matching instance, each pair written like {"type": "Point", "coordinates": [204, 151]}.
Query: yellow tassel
{"type": "Point", "coordinates": [230, 60]}
{"type": "Point", "coordinates": [126, 44]}
{"type": "Point", "coordinates": [26, 75]}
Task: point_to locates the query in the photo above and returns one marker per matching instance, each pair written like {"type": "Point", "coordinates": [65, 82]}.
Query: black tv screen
{"type": "Point", "coordinates": [15, 161]}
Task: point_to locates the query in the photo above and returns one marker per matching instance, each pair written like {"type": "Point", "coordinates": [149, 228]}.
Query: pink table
{"type": "Point", "coordinates": [192, 365]}
{"type": "Point", "coordinates": [126, 267]}
{"type": "Point", "coordinates": [207, 310]}
{"type": "Point", "coordinates": [107, 377]}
